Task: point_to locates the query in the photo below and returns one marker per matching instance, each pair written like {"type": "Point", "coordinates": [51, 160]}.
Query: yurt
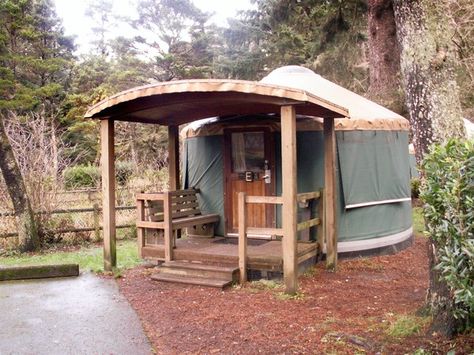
{"type": "Point", "coordinates": [229, 154]}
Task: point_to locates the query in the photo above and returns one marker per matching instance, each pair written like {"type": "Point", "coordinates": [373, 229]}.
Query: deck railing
{"type": "Point", "coordinates": [303, 200]}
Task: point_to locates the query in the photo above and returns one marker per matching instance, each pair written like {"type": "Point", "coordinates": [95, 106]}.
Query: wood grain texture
{"type": "Point", "coordinates": [289, 194]}
{"type": "Point", "coordinates": [173, 157]}
{"type": "Point", "coordinates": [167, 224]}
{"type": "Point", "coordinates": [140, 231]}
{"type": "Point", "coordinates": [321, 233]}
{"type": "Point", "coordinates": [242, 218]}
{"type": "Point", "coordinates": [108, 192]}
{"type": "Point", "coordinates": [330, 193]}
{"type": "Point", "coordinates": [169, 102]}
{"type": "Point", "coordinates": [262, 215]}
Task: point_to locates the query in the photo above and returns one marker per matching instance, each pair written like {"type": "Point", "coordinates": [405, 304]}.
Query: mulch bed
{"type": "Point", "coordinates": [344, 312]}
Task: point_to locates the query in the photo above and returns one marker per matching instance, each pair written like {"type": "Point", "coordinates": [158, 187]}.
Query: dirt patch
{"type": "Point", "coordinates": [356, 309]}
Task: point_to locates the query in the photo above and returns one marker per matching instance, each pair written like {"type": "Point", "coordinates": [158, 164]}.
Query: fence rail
{"type": "Point", "coordinates": [303, 200]}
{"type": "Point", "coordinates": [96, 224]}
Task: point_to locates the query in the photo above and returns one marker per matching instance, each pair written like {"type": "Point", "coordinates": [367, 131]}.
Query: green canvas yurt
{"type": "Point", "coordinates": [226, 155]}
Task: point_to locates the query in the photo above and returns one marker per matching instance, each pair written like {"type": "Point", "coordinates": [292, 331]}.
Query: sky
{"type": "Point", "coordinates": [77, 24]}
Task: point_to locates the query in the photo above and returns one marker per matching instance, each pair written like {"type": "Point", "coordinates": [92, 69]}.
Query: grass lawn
{"type": "Point", "coordinates": [418, 221]}
{"type": "Point", "coordinates": [88, 258]}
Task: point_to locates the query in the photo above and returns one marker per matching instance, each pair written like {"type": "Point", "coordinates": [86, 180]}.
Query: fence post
{"type": "Point", "coordinates": [96, 221]}
{"type": "Point", "coordinates": [242, 216]}
{"type": "Point", "coordinates": [168, 227]}
{"type": "Point", "coordinates": [141, 236]}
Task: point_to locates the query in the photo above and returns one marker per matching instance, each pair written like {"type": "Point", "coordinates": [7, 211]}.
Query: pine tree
{"type": "Point", "coordinates": [35, 60]}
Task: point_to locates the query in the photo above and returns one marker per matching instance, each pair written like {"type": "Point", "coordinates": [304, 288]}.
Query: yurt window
{"type": "Point", "coordinates": [248, 151]}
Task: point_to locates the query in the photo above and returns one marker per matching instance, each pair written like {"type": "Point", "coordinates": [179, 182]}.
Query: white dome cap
{"type": "Point", "coordinates": [305, 79]}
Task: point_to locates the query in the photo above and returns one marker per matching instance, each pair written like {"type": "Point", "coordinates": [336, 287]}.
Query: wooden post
{"type": "Point", "coordinates": [96, 208]}
{"type": "Point", "coordinates": [289, 195]}
{"type": "Point", "coordinates": [173, 167]}
{"type": "Point", "coordinates": [108, 192]}
{"type": "Point", "coordinates": [173, 157]}
{"type": "Point", "coordinates": [330, 193]}
{"type": "Point", "coordinates": [168, 229]}
{"type": "Point", "coordinates": [140, 231]}
{"type": "Point", "coordinates": [242, 214]}
{"type": "Point", "coordinates": [321, 230]}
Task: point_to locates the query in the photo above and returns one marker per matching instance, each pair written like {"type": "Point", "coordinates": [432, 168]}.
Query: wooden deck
{"type": "Point", "coordinates": [262, 254]}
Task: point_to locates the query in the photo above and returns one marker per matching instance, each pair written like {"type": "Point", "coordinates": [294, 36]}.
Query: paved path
{"type": "Point", "coordinates": [83, 315]}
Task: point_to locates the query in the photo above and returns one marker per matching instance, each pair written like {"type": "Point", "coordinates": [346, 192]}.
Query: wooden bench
{"type": "Point", "coordinates": [171, 211]}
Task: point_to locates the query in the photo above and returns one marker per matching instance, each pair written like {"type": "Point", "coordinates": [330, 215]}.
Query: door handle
{"type": "Point", "coordinates": [267, 175]}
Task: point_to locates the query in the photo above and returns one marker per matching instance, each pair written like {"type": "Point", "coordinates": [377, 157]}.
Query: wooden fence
{"type": "Point", "coordinates": [91, 197]}
{"type": "Point", "coordinates": [96, 226]}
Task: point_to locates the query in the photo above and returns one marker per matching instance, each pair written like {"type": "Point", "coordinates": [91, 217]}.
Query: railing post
{"type": "Point", "coordinates": [141, 231]}
{"type": "Point", "coordinates": [330, 215]}
{"type": "Point", "coordinates": [168, 227]}
{"type": "Point", "coordinates": [322, 217]}
{"type": "Point", "coordinates": [289, 192]}
{"type": "Point", "coordinates": [242, 216]}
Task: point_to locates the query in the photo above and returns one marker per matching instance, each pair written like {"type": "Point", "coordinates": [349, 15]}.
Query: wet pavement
{"type": "Point", "coordinates": [79, 315]}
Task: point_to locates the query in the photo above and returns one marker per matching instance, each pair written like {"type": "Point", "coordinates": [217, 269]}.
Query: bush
{"type": "Point", "coordinates": [81, 176]}
{"type": "Point", "coordinates": [415, 187]}
{"type": "Point", "coordinates": [123, 171]}
{"type": "Point", "coordinates": [448, 194]}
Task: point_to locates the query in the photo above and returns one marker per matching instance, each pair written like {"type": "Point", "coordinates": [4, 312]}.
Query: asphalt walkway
{"type": "Point", "coordinates": [82, 315]}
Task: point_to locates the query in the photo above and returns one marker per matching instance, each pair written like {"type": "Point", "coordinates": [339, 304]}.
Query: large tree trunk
{"type": "Point", "coordinates": [27, 230]}
{"type": "Point", "coordinates": [428, 63]}
{"type": "Point", "coordinates": [428, 60]}
{"type": "Point", "coordinates": [384, 55]}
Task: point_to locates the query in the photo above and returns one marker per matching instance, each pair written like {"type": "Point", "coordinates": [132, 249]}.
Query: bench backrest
{"type": "Point", "coordinates": [184, 204]}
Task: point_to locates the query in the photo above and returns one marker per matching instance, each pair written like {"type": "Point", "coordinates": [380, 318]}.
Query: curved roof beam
{"type": "Point", "coordinates": [184, 101]}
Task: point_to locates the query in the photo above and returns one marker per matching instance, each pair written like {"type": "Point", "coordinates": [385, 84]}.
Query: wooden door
{"type": "Point", "coordinates": [249, 167]}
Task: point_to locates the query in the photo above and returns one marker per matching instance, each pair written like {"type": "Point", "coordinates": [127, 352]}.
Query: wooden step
{"type": "Point", "coordinates": [191, 280]}
{"type": "Point", "coordinates": [190, 269]}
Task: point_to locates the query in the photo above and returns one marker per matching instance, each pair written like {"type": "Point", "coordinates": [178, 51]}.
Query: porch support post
{"type": "Point", "coordinates": [289, 191]}
{"type": "Point", "coordinates": [108, 192]}
{"type": "Point", "coordinates": [330, 193]}
{"type": "Point", "coordinates": [173, 157]}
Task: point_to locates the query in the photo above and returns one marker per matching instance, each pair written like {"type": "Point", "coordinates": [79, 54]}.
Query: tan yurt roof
{"type": "Point", "coordinates": [302, 78]}
{"type": "Point", "coordinates": [363, 113]}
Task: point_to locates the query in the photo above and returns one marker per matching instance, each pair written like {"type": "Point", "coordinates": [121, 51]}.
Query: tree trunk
{"type": "Point", "coordinates": [27, 230]}
{"type": "Point", "coordinates": [428, 63]}
{"type": "Point", "coordinates": [384, 56]}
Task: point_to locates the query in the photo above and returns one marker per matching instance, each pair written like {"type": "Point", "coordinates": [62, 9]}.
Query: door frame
{"type": "Point", "coordinates": [270, 189]}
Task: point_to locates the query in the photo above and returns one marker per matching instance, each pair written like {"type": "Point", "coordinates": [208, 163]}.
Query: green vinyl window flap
{"type": "Point", "coordinates": [374, 167]}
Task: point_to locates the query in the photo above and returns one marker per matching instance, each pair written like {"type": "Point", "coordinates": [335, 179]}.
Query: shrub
{"type": "Point", "coordinates": [415, 187]}
{"type": "Point", "coordinates": [448, 194]}
{"type": "Point", "coordinates": [123, 171]}
{"type": "Point", "coordinates": [81, 176]}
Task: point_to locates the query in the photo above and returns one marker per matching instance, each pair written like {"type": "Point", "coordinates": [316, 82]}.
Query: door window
{"type": "Point", "coordinates": [248, 152]}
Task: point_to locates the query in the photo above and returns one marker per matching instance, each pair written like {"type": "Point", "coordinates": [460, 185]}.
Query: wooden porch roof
{"type": "Point", "coordinates": [178, 102]}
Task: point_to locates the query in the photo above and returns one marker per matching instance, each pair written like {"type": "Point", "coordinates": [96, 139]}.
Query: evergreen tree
{"type": "Point", "coordinates": [176, 34]}
{"type": "Point", "coordinates": [35, 59]}
{"type": "Point", "coordinates": [326, 36]}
